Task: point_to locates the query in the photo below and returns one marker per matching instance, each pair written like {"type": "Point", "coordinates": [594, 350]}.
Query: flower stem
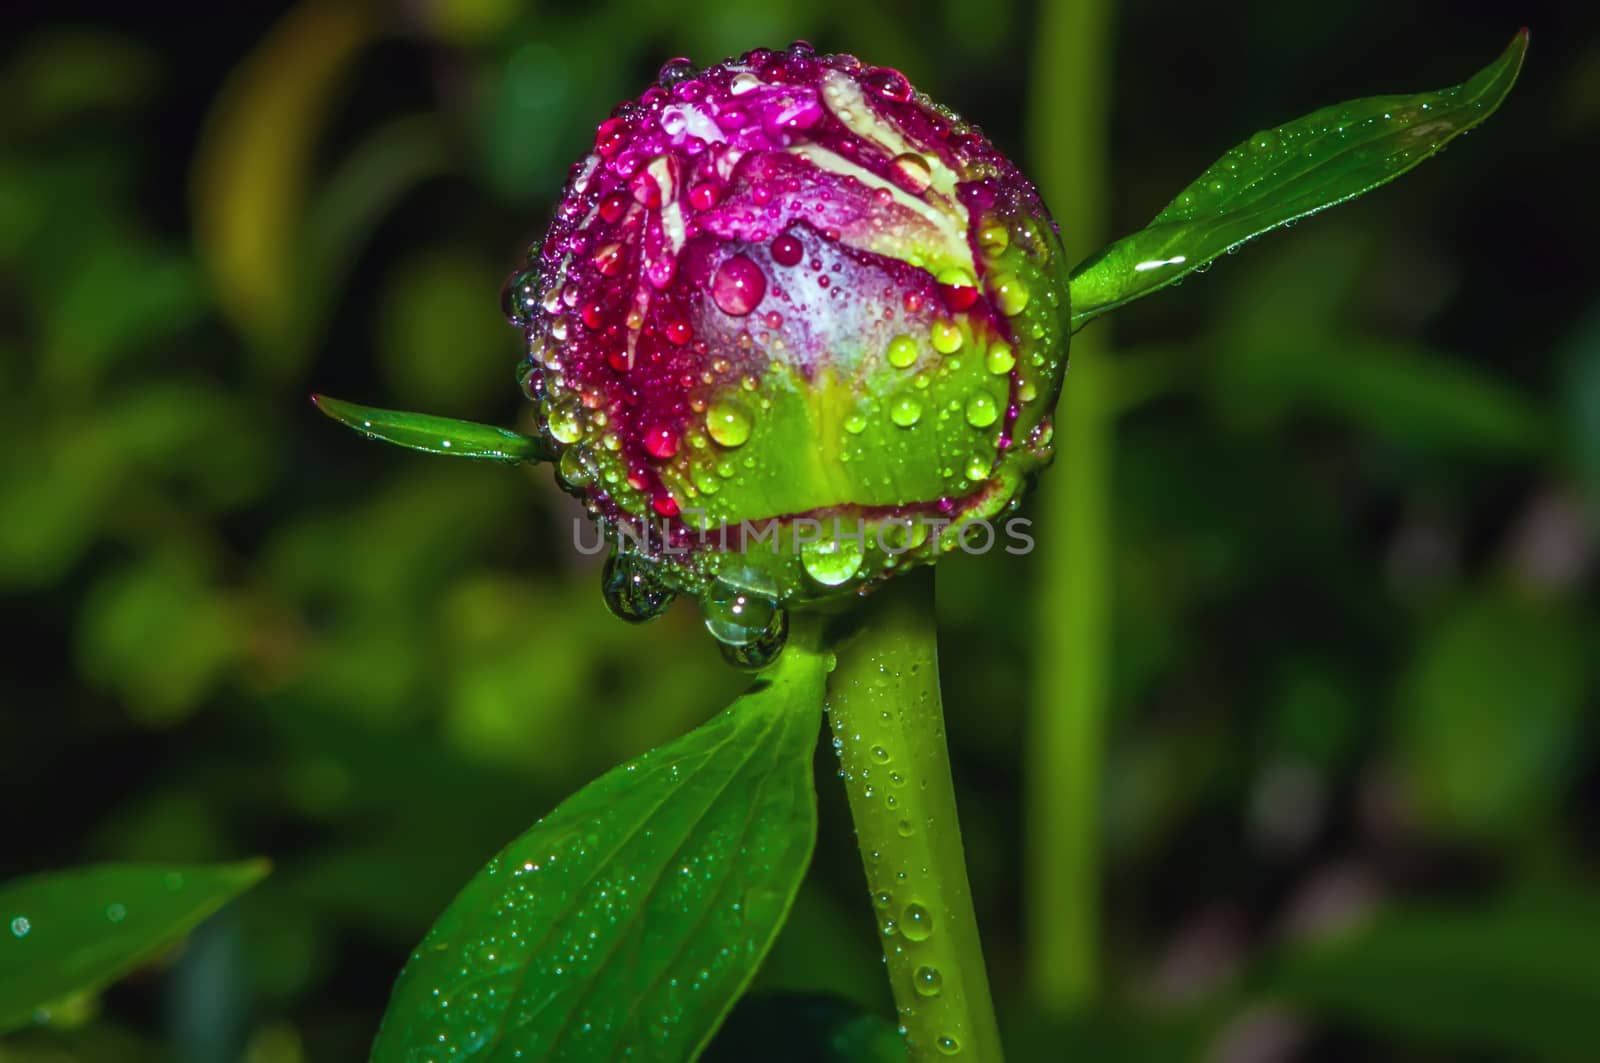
{"type": "Point", "coordinates": [1068, 137]}
{"type": "Point", "coordinates": [888, 728]}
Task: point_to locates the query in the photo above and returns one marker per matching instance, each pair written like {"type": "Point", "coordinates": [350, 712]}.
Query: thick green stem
{"type": "Point", "coordinates": [1067, 134]}
{"type": "Point", "coordinates": [888, 728]}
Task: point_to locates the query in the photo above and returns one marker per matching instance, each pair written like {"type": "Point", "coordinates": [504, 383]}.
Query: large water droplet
{"type": "Point", "coordinates": [1000, 359]}
{"type": "Point", "coordinates": [631, 588]}
{"type": "Point", "coordinates": [576, 467]}
{"type": "Point", "coordinates": [994, 238]}
{"type": "Point", "coordinates": [608, 259]}
{"type": "Point", "coordinates": [660, 441]}
{"type": "Point", "coordinates": [927, 981]}
{"type": "Point", "coordinates": [20, 926]}
{"type": "Point", "coordinates": [763, 649]}
{"type": "Point", "coordinates": [728, 422]}
{"type": "Point", "coordinates": [888, 83]}
{"type": "Point", "coordinates": [786, 250]}
{"type": "Point", "coordinates": [674, 71]}
{"type": "Point", "coordinates": [949, 1045]}
{"type": "Point", "coordinates": [738, 616]}
{"type": "Point", "coordinates": [916, 923]}
{"type": "Point", "coordinates": [737, 286]}
{"type": "Point", "coordinates": [946, 335]}
{"type": "Point", "coordinates": [911, 172]}
{"type": "Point", "coordinates": [833, 559]}
{"type": "Point", "coordinates": [519, 299]}
{"type": "Point", "coordinates": [902, 352]}
{"type": "Point", "coordinates": [1010, 294]}
{"type": "Point", "coordinates": [905, 410]}
{"type": "Point", "coordinates": [982, 410]}
{"type": "Point", "coordinates": [565, 421]}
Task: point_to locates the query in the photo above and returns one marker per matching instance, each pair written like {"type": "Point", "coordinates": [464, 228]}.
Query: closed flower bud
{"type": "Point", "coordinates": [792, 319]}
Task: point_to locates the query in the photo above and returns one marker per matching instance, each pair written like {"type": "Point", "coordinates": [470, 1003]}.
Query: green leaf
{"type": "Point", "coordinates": [75, 931]}
{"type": "Point", "coordinates": [435, 435]}
{"type": "Point", "coordinates": [633, 916]}
{"type": "Point", "coordinates": [1523, 978]}
{"type": "Point", "coordinates": [1489, 716]}
{"type": "Point", "coordinates": [1283, 174]}
{"type": "Point", "coordinates": [1403, 392]}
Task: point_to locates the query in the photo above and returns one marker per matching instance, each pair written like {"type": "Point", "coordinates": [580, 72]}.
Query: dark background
{"type": "Point", "coordinates": [1353, 761]}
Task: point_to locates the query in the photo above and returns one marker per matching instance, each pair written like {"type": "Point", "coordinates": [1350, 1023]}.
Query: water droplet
{"type": "Point", "coordinates": [565, 421]}
{"type": "Point", "coordinates": [678, 332]}
{"type": "Point", "coordinates": [20, 926]}
{"type": "Point", "coordinates": [882, 899]}
{"type": "Point", "coordinates": [947, 338]}
{"type": "Point", "coordinates": [608, 259]}
{"type": "Point", "coordinates": [855, 424]}
{"type": "Point", "coordinates": [705, 479]}
{"type": "Point", "coordinates": [977, 468]}
{"type": "Point", "coordinates": [911, 172]}
{"type": "Point", "coordinates": [660, 441]}
{"type": "Point", "coordinates": [674, 71]}
{"type": "Point", "coordinates": [949, 1045]}
{"type": "Point", "coordinates": [728, 422]}
{"type": "Point", "coordinates": [737, 616]}
{"type": "Point", "coordinates": [1000, 360]}
{"type": "Point", "coordinates": [927, 981]}
{"type": "Point", "coordinates": [905, 410]}
{"type": "Point", "coordinates": [994, 238]}
{"type": "Point", "coordinates": [1010, 294]}
{"type": "Point", "coordinates": [576, 467]}
{"type": "Point", "coordinates": [834, 558]}
{"type": "Point", "coordinates": [704, 196]}
{"type": "Point", "coordinates": [763, 649]}
{"type": "Point", "coordinates": [520, 297]}
{"type": "Point", "coordinates": [902, 352]}
{"type": "Point", "coordinates": [916, 923]}
{"type": "Point", "coordinates": [612, 206]}
{"type": "Point", "coordinates": [743, 82]}
{"type": "Point", "coordinates": [905, 826]}
{"type": "Point", "coordinates": [631, 589]}
{"type": "Point", "coordinates": [982, 410]}
{"type": "Point", "coordinates": [738, 286]}
{"type": "Point", "coordinates": [888, 83]}
{"type": "Point", "coordinates": [879, 754]}
{"type": "Point", "coordinates": [787, 251]}
{"type": "Point", "coordinates": [116, 913]}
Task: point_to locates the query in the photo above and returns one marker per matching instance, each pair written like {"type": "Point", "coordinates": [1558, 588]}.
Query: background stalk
{"type": "Point", "coordinates": [1068, 137]}
{"type": "Point", "coordinates": [888, 728]}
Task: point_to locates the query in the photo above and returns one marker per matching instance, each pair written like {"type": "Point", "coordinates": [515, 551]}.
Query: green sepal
{"type": "Point", "coordinates": [1283, 174]}
{"type": "Point", "coordinates": [435, 435]}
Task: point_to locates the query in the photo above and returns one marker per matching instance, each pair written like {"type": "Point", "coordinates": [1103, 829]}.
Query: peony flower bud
{"type": "Point", "coordinates": [793, 325]}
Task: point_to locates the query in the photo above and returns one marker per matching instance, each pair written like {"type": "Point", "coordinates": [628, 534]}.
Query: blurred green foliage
{"type": "Point", "coordinates": [1353, 762]}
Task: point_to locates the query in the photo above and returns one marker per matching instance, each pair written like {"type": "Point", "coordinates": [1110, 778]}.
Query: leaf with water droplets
{"type": "Point", "coordinates": [75, 931]}
{"type": "Point", "coordinates": [632, 916]}
{"type": "Point", "coordinates": [435, 435]}
{"type": "Point", "coordinates": [1283, 174]}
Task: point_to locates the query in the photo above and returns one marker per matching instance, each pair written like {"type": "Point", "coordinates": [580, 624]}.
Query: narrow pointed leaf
{"type": "Point", "coordinates": [74, 932]}
{"type": "Point", "coordinates": [435, 435]}
{"type": "Point", "coordinates": [628, 921]}
{"type": "Point", "coordinates": [1283, 174]}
